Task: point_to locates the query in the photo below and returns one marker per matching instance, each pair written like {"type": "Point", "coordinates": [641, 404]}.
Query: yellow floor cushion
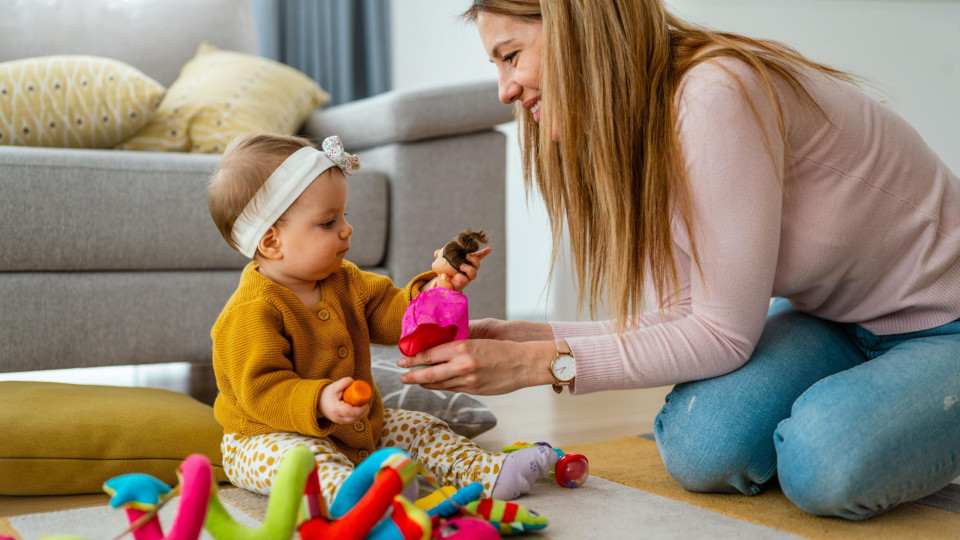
{"type": "Point", "coordinates": [60, 439]}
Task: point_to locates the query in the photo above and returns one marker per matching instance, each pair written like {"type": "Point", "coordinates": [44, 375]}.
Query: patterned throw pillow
{"type": "Point", "coordinates": [464, 413]}
{"type": "Point", "coordinates": [73, 101]}
{"type": "Point", "coordinates": [222, 94]}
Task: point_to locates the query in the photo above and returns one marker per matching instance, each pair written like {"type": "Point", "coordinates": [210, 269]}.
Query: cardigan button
{"type": "Point", "coordinates": [342, 352]}
{"type": "Point", "coordinates": [323, 314]}
{"type": "Point", "coordinates": [363, 454]}
{"type": "Point", "coordinates": [359, 426]}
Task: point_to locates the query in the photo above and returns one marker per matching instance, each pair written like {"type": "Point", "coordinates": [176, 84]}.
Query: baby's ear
{"type": "Point", "coordinates": [269, 245]}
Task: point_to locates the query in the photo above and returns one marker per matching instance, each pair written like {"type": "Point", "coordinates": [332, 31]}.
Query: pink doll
{"type": "Point", "coordinates": [440, 314]}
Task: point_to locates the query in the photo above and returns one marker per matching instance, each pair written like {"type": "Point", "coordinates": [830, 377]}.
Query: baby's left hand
{"type": "Point", "coordinates": [450, 278]}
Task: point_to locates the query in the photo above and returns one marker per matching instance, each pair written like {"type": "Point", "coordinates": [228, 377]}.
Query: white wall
{"type": "Point", "coordinates": [432, 46]}
{"type": "Point", "coordinates": [909, 49]}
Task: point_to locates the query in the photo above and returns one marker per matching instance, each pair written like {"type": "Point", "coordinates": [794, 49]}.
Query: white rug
{"type": "Point", "coordinates": [101, 522]}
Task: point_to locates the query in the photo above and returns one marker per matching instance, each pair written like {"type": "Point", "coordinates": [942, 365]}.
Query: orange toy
{"type": "Point", "coordinates": [358, 393]}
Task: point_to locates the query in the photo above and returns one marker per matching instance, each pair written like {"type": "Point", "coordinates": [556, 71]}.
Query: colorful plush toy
{"type": "Point", "coordinates": [441, 314]}
{"type": "Point", "coordinates": [465, 528]}
{"type": "Point", "coordinates": [507, 517]}
{"type": "Point", "coordinates": [142, 495]}
{"type": "Point", "coordinates": [570, 471]}
{"type": "Point", "coordinates": [283, 507]}
{"type": "Point", "coordinates": [371, 490]}
{"type": "Point", "coordinates": [368, 506]}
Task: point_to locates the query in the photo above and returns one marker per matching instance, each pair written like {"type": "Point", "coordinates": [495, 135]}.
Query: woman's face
{"type": "Point", "coordinates": [513, 45]}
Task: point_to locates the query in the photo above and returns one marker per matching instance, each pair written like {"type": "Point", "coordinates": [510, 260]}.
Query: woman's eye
{"type": "Point", "coordinates": [510, 58]}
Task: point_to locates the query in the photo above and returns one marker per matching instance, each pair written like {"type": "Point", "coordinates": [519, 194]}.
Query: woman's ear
{"type": "Point", "coordinates": [270, 246]}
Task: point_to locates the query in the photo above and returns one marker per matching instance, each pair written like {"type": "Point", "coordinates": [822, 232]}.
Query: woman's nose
{"type": "Point", "coordinates": [510, 91]}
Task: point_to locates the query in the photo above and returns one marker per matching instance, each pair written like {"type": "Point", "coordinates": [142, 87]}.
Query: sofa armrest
{"type": "Point", "coordinates": [411, 115]}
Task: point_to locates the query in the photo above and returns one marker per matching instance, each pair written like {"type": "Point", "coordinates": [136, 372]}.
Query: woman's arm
{"type": "Point", "coordinates": [519, 331]}
{"type": "Point", "coordinates": [734, 167]}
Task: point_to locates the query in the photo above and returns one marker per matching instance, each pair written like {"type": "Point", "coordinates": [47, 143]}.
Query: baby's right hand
{"type": "Point", "coordinates": [335, 409]}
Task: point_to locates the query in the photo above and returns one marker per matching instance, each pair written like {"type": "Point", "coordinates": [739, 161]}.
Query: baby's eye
{"type": "Point", "coordinates": [328, 224]}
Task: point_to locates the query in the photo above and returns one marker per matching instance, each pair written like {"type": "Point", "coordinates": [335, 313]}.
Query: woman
{"type": "Point", "coordinates": [710, 172]}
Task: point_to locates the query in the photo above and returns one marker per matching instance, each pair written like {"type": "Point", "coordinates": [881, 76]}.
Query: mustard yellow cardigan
{"type": "Point", "coordinates": [272, 355]}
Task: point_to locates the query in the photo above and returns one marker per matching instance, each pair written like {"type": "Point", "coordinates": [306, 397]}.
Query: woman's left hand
{"type": "Point", "coordinates": [480, 366]}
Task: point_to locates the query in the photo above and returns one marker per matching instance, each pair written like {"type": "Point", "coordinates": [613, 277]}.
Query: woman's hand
{"type": "Point", "coordinates": [481, 366]}
{"type": "Point", "coordinates": [448, 277]}
{"type": "Point", "coordinates": [334, 409]}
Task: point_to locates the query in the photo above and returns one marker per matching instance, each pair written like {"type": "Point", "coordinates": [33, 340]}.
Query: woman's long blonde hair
{"type": "Point", "coordinates": [616, 176]}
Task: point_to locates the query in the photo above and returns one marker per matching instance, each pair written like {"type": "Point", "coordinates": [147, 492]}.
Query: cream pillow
{"type": "Point", "coordinates": [221, 94]}
{"type": "Point", "coordinates": [73, 101]}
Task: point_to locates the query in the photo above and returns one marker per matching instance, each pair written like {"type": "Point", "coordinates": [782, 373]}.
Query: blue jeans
{"type": "Point", "coordinates": [851, 423]}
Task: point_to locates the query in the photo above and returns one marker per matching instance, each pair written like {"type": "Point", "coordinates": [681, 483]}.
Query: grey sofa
{"type": "Point", "coordinates": [110, 257]}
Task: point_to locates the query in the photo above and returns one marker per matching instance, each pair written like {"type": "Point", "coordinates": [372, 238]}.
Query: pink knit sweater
{"type": "Point", "coordinates": [866, 229]}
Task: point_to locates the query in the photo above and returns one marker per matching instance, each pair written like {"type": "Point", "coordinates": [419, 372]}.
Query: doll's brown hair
{"type": "Point", "coordinates": [456, 250]}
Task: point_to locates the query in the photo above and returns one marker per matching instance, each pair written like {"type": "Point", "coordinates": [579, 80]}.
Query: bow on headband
{"type": "Point", "coordinates": [334, 150]}
{"type": "Point", "coordinates": [291, 178]}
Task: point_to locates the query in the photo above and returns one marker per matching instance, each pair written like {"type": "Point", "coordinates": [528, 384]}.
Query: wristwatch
{"type": "Point", "coordinates": [562, 367]}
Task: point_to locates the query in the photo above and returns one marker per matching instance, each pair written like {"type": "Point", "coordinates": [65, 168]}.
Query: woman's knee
{"type": "Point", "coordinates": [823, 466]}
{"type": "Point", "coordinates": [825, 483]}
{"type": "Point", "coordinates": [709, 456]}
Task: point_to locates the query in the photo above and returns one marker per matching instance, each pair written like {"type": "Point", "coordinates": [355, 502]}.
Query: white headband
{"type": "Point", "coordinates": [291, 178]}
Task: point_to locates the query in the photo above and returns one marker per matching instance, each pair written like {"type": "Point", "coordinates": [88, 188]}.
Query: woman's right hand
{"type": "Point", "coordinates": [481, 366]}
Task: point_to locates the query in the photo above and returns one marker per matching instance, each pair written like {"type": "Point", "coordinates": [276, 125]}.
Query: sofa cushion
{"type": "Point", "coordinates": [222, 94]}
{"type": "Point", "coordinates": [155, 36]}
{"type": "Point", "coordinates": [74, 101]}
{"type": "Point", "coordinates": [142, 211]}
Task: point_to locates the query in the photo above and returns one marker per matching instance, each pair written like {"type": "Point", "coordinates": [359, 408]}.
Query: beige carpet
{"type": "Point", "coordinates": [634, 462]}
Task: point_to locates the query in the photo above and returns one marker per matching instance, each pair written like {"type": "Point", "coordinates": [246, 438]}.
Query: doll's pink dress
{"type": "Point", "coordinates": [436, 316]}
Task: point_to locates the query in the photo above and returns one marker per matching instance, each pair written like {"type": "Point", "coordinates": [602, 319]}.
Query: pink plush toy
{"type": "Point", "coordinates": [141, 495]}
{"type": "Point", "coordinates": [441, 314]}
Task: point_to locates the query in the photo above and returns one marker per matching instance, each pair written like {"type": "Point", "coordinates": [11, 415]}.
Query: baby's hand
{"type": "Point", "coordinates": [335, 409]}
{"type": "Point", "coordinates": [450, 278]}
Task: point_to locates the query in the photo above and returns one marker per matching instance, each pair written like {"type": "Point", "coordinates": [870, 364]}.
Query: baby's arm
{"type": "Point", "coordinates": [383, 303]}
{"type": "Point", "coordinates": [257, 378]}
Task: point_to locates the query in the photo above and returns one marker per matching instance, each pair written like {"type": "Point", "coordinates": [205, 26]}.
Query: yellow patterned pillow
{"type": "Point", "coordinates": [73, 101]}
{"type": "Point", "coordinates": [221, 94]}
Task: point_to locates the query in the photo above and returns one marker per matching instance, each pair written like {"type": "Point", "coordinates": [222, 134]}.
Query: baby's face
{"type": "Point", "coordinates": [314, 232]}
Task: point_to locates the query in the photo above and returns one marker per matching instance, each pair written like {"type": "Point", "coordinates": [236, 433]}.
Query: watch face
{"type": "Point", "coordinates": [563, 368]}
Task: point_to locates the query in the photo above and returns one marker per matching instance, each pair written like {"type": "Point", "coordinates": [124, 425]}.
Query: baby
{"type": "Point", "coordinates": [297, 331]}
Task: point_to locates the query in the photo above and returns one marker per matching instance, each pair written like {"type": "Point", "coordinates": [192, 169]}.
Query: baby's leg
{"type": "Point", "coordinates": [521, 469]}
{"type": "Point", "coordinates": [456, 460]}
{"type": "Point", "coordinates": [252, 462]}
